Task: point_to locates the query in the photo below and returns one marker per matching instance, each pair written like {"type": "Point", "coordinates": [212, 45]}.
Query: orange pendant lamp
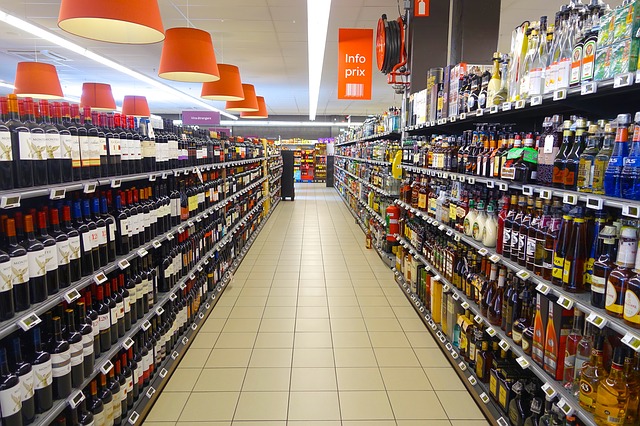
{"type": "Point", "coordinates": [248, 104]}
{"type": "Point", "coordinates": [97, 96]}
{"type": "Point", "coordinates": [228, 88]}
{"type": "Point", "coordinates": [115, 21]}
{"type": "Point", "coordinates": [136, 106]}
{"type": "Point", "coordinates": [261, 113]}
{"type": "Point", "coordinates": [188, 55]}
{"type": "Point", "coordinates": [37, 80]}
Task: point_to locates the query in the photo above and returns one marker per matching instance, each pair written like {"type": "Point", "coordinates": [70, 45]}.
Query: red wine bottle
{"type": "Point", "coordinates": [122, 382]}
{"type": "Point", "coordinates": [77, 349]}
{"type": "Point", "coordinates": [86, 258]}
{"type": "Point", "coordinates": [136, 371]}
{"type": "Point", "coordinates": [124, 144]}
{"type": "Point", "coordinates": [53, 144]}
{"type": "Point", "coordinates": [7, 305]}
{"type": "Point", "coordinates": [122, 227]}
{"type": "Point", "coordinates": [50, 255]}
{"type": "Point", "coordinates": [6, 151]}
{"type": "Point", "coordinates": [113, 312]}
{"type": "Point", "coordinates": [19, 269]}
{"type": "Point", "coordinates": [130, 287]}
{"type": "Point", "coordinates": [75, 247]}
{"type": "Point", "coordinates": [104, 317]}
{"type": "Point", "coordinates": [93, 234]}
{"type": "Point", "coordinates": [93, 140]}
{"type": "Point", "coordinates": [66, 142]}
{"type": "Point", "coordinates": [111, 227]}
{"type": "Point", "coordinates": [62, 249]}
{"type": "Point", "coordinates": [94, 319]}
{"type": "Point", "coordinates": [61, 362]}
{"type": "Point", "coordinates": [96, 406]}
{"type": "Point", "coordinates": [113, 147]}
{"type": "Point", "coordinates": [86, 330]}
{"type": "Point", "coordinates": [10, 394]}
{"type": "Point", "coordinates": [20, 145]}
{"type": "Point", "coordinates": [38, 145]}
{"type": "Point", "coordinates": [85, 418]}
{"type": "Point", "coordinates": [99, 122]}
{"type": "Point", "coordinates": [24, 371]}
{"type": "Point", "coordinates": [42, 374]}
{"type": "Point", "coordinates": [128, 377]}
{"type": "Point", "coordinates": [67, 112]}
{"type": "Point", "coordinates": [116, 295]}
{"type": "Point", "coordinates": [101, 232]}
{"type": "Point", "coordinates": [114, 387]}
{"type": "Point", "coordinates": [37, 263]}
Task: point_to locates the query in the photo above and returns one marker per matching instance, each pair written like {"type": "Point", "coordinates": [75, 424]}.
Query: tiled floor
{"type": "Point", "coordinates": [314, 331]}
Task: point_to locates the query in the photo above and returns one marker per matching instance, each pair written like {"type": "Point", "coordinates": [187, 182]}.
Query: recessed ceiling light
{"type": "Point", "coordinates": [318, 12]}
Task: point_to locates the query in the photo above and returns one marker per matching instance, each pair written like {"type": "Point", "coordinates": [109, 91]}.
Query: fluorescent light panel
{"type": "Point", "coordinates": [317, 24]}
{"type": "Point", "coordinates": [260, 123]}
{"type": "Point", "coordinates": [46, 35]}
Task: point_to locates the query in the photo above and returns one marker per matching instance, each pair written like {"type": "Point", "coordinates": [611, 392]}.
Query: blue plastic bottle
{"type": "Point", "coordinates": [630, 176]}
{"type": "Point", "coordinates": [620, 152]}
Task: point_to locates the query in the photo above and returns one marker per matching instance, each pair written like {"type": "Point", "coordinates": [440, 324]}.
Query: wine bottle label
{"type": "Point", "coordinates": [104, 321]}
{"type": "Point", "coordinates": [114, 146]}
{"type": "Point", "coordinates": [63, 252]}
{"type": "Point", "coordinates": [95, 238]}
{"type": "Point", "coordinates": [95, 326]}
{"type": "Point", "coordinates": [6, 153]}
{"type": "Point", "coordinates": [66, 146]}
{"type": "Point", "coordinates": [120, 310]}
{"type": "Point", "coordinates": [53, 146]}
{"type": "Point", "coordinates": [61, 363]}
{"type": "Point", "coordinates": [127, 304]}
{"type": "Point", "coordinates": [11, 401]}
{"type": "Point", "coordinates": [85, 151]}
{"type": "Point", "coordinates": [588, 60]}
{"type": "Point", "coordinates": [108, 412]}
{"type": "Point", "coordinates": [42, 374]}
{"type": "Point", "coordinates": [6, 276]}
{"type": "Point", "coordinates": [87, 344]}
{"type": "Point", "coordinates": [124, 227]}
{"type": "Point", "coordinates": [130, 381]}
{"type": "Point", "coordinates": [114, 315]}
{"type": "Point", "coordinates": [138, 372]}
{"type": "Point", "coordinates": [38, 146]}
{"type": "Point", "coordinates": [87, 242]}
{"type": "Point", "coordinates": [94, 153]}
{"type": "Point", "coordinates": [611, 300]}
{"type": "Point", "coordinates": [102, 236]}
{"type": "Point", "coordinates": [37, 263]}
{"type": "Point", "coordinates": [631, 307]}
{"type": "Point", "coordinates": [99, 418]}
{"type": "Point", "coordinates": [74, 247]}
{"type": "Point", "coordinates": [24, 141]}
{"type": "Point", "coordinates": [140, 287]}
{"type": "Point", "coordinates": [103, 146]}
{"type": "Point", "coordinates": [77, 353]}
{"type": "Point", "coordinates": [26, 385]}
{"type": "Point", "coordinates": [51, 257]}
{"type": "Point", "coordinates": [112, 231]}
{"type": "Point", "coordinates": [123, 394]}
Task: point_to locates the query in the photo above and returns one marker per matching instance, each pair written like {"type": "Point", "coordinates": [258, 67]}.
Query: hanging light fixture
{"type": "Point", "coordinates": [37, 80]}
{"type": "Point", "coordinates": [97, 96]}
{"type": "Point", "coordinates": [248, 104]}
{"type": "Point", "coordinates": [136, 106]}
{"type": "Point", "coordinates": [261, 113]}
{"type": "Point", "coordinates": [188, 55]}
{"type": "Point", "coordinates": [228, 88]}
{"type": "Point", "coordinates": [115, 21]}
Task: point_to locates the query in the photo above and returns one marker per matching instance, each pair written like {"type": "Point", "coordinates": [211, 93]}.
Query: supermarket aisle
{"type": "Point", "coordinates": [314, 331]}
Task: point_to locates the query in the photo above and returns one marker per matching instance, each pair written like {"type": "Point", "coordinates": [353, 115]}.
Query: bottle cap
{"type": "Point", "coordinates": [623, 120]}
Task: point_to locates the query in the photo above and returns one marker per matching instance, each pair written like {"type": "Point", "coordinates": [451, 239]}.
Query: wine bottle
{"type": "Point", "coordinates": [10, 394]}
{"type": "Point", "coordinates": [85, 418]}
{"type": "Point", "coordinates": [50, 255]}
{"type": "Point", "coordinates": [96, 406]}
{"type": "Point", "coordinates": [62, 250]}
{"type": "Point", "coordinates": [103, 153]}
{"type": "Point", "coordinates": [94, 319]}
{"type": "Point", "coordinates": [120, 377]}
{"type": "Point", "coordinates": [43, 375]}
{"type": "Point", "coordinates": [93, 144]}
{"type": "Point", "coordinates": [52, 143]}
{"type": "Point", "coordinates": [24, 371]}
{"type": "Point", "coordinates": [6, 151]}
{"type": "Point", "coordinates": [114, 148]}
{"type": "Point", "coordinates": [119, 301]}
{"type": "Point", "coordinates": [61, 362]}
{"type": "Point", "coordinates": [20, 145]}
{"type": "Point", "coordinates": [101, 231]}
{"type": "Point", "coordinates": [73, 236]}
{"type": "Point", "coordinates": [114, 387]}
{"type": "Point", "coordinates": [107, 400]}
{"type": "Point", "coordinates": [38, 146]}
{"type": "Point", "coordinates": [7, 304]}
{"type": "Point", "coordinates": [135, 365]}
{"type": "Point", "coordinates": [113, 312]}
{"type": "Point", "coordinates": [19, 269]}
{"type": "Point", "coordinates": [122, 227]}
{"type": "Point", "coordinates": [104, 316]}
{"type": "Point", "coordinates": [110, 223]}
{"type": "Point", "coordinates": [93, 234]}
{"type": "Point", "coordinates": [86, 330]}
{"type": "Point", "coordinates": [37, 263]}
{"type": "Point", "coordinates": [128, 376]}
{"type": "Point", "coordinates": [130, 287]}
{"type": "Point", "coordinates": [76, 347]}
{"type": "Point", "coordinates": [86, 258]}
{"type": "Point", "coordinates": [72, 127]}
{"type": "Point", "coordinates": [66, 143]}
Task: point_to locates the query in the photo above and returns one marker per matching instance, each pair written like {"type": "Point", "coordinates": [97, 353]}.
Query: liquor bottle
{"type": "Point", "coordinates": [507, 227]}
{"type": "Point", "coordinates": [96, 406]}
{"type": "Point", "coordinates": [37, 263]}
{"type": "Point", "coordinates": [38, 145]}
{"type": "Point", "coordinates": [631, 312]}
{"type": "Point", "coordinates": [61, 362]}
{"type": "Point", "coordinates": [86, 244]}
{"type": "Point", "coordinates": [606, 249]}
{"type": "Point", "coordinates": [77, 348]}
{"type": "Point", "coordinates": [630, 174]}
{"type": "Point", "coordinates": [516, 241]}
{"type": "Point", "coordinates": [484, 358]}
{"type": "Point", "coordinates": [111, 228]}
{"type": "Point", "coordinates": [601, 160]}
{"type": "Point", "coordinates": [586, 166]}
{"type": "Point", "coordinates": [574, 269]}
{"type": "Point", "coordinates": [560, 251]}
{"type": "Point", "coordinates": [10, 394]}
{"type": "Point", "coordinates": [535, 409]}
{"type": "Point", "coordinates": [63, 251]}
{"type": "Point", "coordinates": [20, 145]}
{"type": "Point", "coordinates": [104, 318]}
{"type": "Point", "coordinates": [24, 371]}
{"type": "Point", "coordinates": [612, 395]}
{"type": "Point", "coordinates": [551, 141]}
{"type": "Point", "coordinates": [42, 372]}
{"type": "Point", "coordinates": [560, 161]}
{"type": "Point", "coordinates": [495, 311]}
{"type": "Point", "coordinates": [619, 277]}
{"type": "Point", "coordinates": [54, 154]}
{"type": "Point", "coordinates": [50, 255]}
{"type": "Point", "coordinates": [85, 328]}
{"type": "Point", "coordinates": [490, 230]}
{"type": "Point", "coordinates": [523, 233]}
{"type": "Point", "coordinates": [93, 234]}
{"type": "Point", "coordinates": [6, 151]}
{"type": "Point", "coordinates": [546, 418]}
{"type": "Point", "coordinates": [591, 374]}
{"type": "Point", "coordinates": [571, 349]}
{"type": "Point", "coordinates": [73, 236]}
{"type": "Point", "coordinates": [619, 153]}
{"type": "Point", "coordinates": [572, 161]}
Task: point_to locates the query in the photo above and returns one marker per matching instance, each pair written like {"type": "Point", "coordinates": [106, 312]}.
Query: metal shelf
{"type": "Point", "coordinates": [373, 187]}
{"type": "Point", "coordinates": [365, 160]}
{"type": "Point", "coordinates": [378, 136]}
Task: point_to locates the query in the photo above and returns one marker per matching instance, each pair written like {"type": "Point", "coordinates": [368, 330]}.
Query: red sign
{"type": "Point", "coordinates": [421, 8]}
{"type": "Point", "coordinates": [355, 57]}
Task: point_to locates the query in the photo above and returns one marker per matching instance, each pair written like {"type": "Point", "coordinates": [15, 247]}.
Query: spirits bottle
{"type": "Point", "coordinates": [535, 409]}
{"type": "Point", "coordinates": [601, 160]}
{"type": "Point", "coordinates": [631, 313]}
{"type": "Point", "coordinates": [619, 277]}
{"type": "Point", "coordinates": [606, 249]}
{"type": "Point", "coordinates": [560, 161]}
{"type": "Point", "coordinates": [613, 395]}
{"type": "Point", "coordinates": [630, 174]}
{"type": "Point", "coordinates": [572, 161]}
{"type": "Point", "coordinates": [575, 259]}
{"type": "Point", "coordinates": [571, 349]}
{"type": "Point", "coordinates": [632, 379]}
{"type": "Point", "coordinates": [561, 247]}
{"type": "Point", "coordinates": [619, 153]}
{"type": "Point", "coordinates": [591, 374]}
{"type": "Point", "coordinates": [586, 166]}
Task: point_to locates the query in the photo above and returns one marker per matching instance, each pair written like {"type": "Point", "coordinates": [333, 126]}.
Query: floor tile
{"type": "Point", "coordinates": [271, 358]}
{"type": "Point", "coordinates": [313, 406]}
{"type": "Point", "coordinates": [405, 407]}
{"type": "Point", "coordinates": [431, 357]}
{"type": "Point", "coordinates": [279, 312]}
{"type": "Point", "coordinates": [313, 357]}
{"type": "Point", "coordinates": [405, 378]}
{"type": "Point", "coordinates": [351, 339]}
{"type": "Point", "coordinates": [421, 339]}
{"type": "Point", "coordinates": [236, 340]}
{"type": "Point", "coordinates": [262, 406]}
{"type": "Point", "coordinates": [312, 325]}
{"type": "Point", "coordinates": [383, 324]}
{"type": "Point", "coordinates": [195, 358]}
{"type": "Point", "coordinates": [220, 379]}
{"type": "Point", "coordinates": [183, 380]}
{"type": "Point", "coordinates": [274, 340]}
{"type": "Point", "coordinates": [270, 325]}
{"type": "Point", "coordinates": [313, 340]}
{"type": "Point", "coordinates": [226, 358]}
{"type": "Point", "coordinates": [241, 325]}
{"type": "Point", "coordinates": [344, 312]}
{"type": "Point", "coordinates": [242, 312]}
{"type": "Point", "coordinates": [313, 379]}
{"type": "Point", "coordinates": [209, 406]}
{"type": "Point", "coordinates": [388, 339]}
{"type": "Point", "coordinates": [267, 379]}
{"type": "Point", "coordinates": [459, 405]}
{"type": "Point", "coordinates": [359, 379]}
{"type": "Point", "coordinates": [365, 405]}
{"type": "Point", "coordinates": [396, 357]}
{"type": "Point", "coordinates": [204, 340]}
{"type": "Point", "coordinates": [168, 406]}
{"type": "Point", "coordinates": [355, 357]}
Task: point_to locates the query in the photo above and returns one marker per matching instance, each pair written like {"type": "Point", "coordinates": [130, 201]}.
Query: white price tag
{"type": "Point", "coordinates": [491, 331]}
{"type": "Point", "coordinates": [478, 319]}
{"type": "Point", "coordinates": [565, 303]}
{"type": "Point", "coordinates": [123, 264]}
{"type": "Point", "coordinates": [545, 194]}
{"type": "Point", "coordinates": [156, 244]}
{"type": "Point", "coordinates": [133, 418]}
{"type": "Point", "coordinates": [89, 188]}
{"type": "Point", "coordinates": [558, 95]}
{"type": "Point", "coordinates": [632, 341]}
{"type": "Point", "coordinates": [483, 252]}
{"type": "Point", "coordinates": [194, 327]}
{"type": "Point", "coordinates": [163, 373]}
{"type": "Point", "coordinates": [127, 343]}
{"type": "Point", "coordinates": [76, 399]}
{"type": "Point", "coordinates": [588, 88]}
{"type": "Point", "coordinates": [462, 365]}
{"type": "Point", "coordinates": [595, 203]}
{"type": "Point", "coordinates": [463, 116]}
{"type": "Point", "coordinates": [484, 397]}
{"type": "Point", "coordinates": [174, 355]}
{"type": "Point", "coordinates": [57, 193]}
{"type": "Point", "coordinates": [100, 278]}
{"type": "Point", "coordinates": [570, 199]}
{"type": "Point", "coordinates": [549, 391]}
{"type": "Point", "coordinates": [631, 211]}
{"type": "Point", "coordinates": [504, 345]}
{"type": "Point", "coordinates": [479, 112]}
{"type": "Point", "coordinates": [520, 104]}
{"type": "Point", "coordinates": [152, 177]}
{"type": "Point", "coordinates": [115, 183]}
{"type": "Point", "coordinates": [523, 274]}
{"type": "Point", "coordinates": [472, 380]}
{"type": "Point", "coordinates": [445, 288]}
{"type": "Point", "coordinates": [452, 119]}
{"type": "Point", "coordinates": [150, 392]}
{"type": "Point", "coordinates": [201, 315]}
{"type": "Point", "coordinates": [503, 422]}
{"type": "Point", "coordinates": [159, 311]}
{"type": "Point", "coordinates": [455, 296]}
{"type": "Point", "coordinates": [30, 321]}
{"type": "Point", "coordinates": [142, 252]}
{"type": "Point", "coordinates": [106, 367]}
{"type": "Point", "coordinates": [490, 184]}
{"type": "Point", "coordinates": [502, 186]}
{"type": "Point", "coordinates": [493, 109]}
{"type": "Point", "coordinates": [494, 258]}
{"type": "Point", "coordinates": [564, 406]}
{"type": "Point", "coordinates": [145, 325]}
{"type": "Point", "coordinates": [527, 190]}
{"type": "Point", "coordinates": [596, 320]}
{"type": "Point", "coordinates": [623, 80]}
{"type": "Point", "coordinates": [71, 295]}
{"type": "Point", "coordinates": [436, 278]}
{"type": "Point", "coordinates": [543, 288]}
{"type": "Point", "coordinates": [465, 305]}
{"type": "Point", "coordinates": [506, 106]}
{"type": "Point", "coordinates": [522, 361]}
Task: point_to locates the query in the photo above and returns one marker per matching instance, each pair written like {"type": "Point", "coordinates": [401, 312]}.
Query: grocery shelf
{"type": "Point", "coordinates": [377, 216]}
{"type": "Point", "coordinates": [365, 160]}
{"type": "Point", "coordinates": [364, 182]}
{"type": "Point", "coordinates": [386, 135]}
{"type": "Point", "coordinates": [523, 359]}
{"type": "Point", "coordinates": [596, 316]}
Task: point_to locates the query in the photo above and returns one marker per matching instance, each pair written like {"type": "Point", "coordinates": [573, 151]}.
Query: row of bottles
{"type": "Point", "coordinates": [384, 150]}
{"type": "Point", "coordinates": [375, 175]}
{"type": "Point", "coordinates": [388, 121]}
{"type": "Point", "coordinates": [43, 143]}
{"type": "Point", "coordinates": [576, 154]}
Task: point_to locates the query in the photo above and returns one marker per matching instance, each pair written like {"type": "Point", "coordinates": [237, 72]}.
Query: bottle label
{"type": "Point", "coordinates": [66, 146]}
{"type": "Point", "coordinates": [564, 74]}
{"type": "Point", "coordinates": [611, 300]}
{"type": "Point", "coordinates": [114, 147]}
{"type": "Point", "coordinates": [112, 231]}
{"type": "Point", "coordinates": [11, 401]}
{"type": "Point", "coordinates": [610, 413]}
{"type": "Point", "coordinates": [558, 266]}
{"type": "Point", "coordinates": [587, 394]}
{"type": "Point", "coordinates": [42, 374]}
{"type": "Point", "coordinates": [74, 247]}
{"type": "Point", "coordinates": [566, 271]}
{"type": "Point", "coordinates": [598, 284]}
{"type": "Point", "coordinates": [37, 263]}
{"type": "Point", "coordinates": [87, 344]}
{"type": "Point", "coordinates": [61, 363]}
{"type": "Point", "coordinates": [6, 153]}
{"type": "Point", "coordinates": [102, 236]}
{"type": "Point", "coordinates": [6, 277]}
{"type": "Point", "coordinates": [120, 310]}
{"type": "Point", "coordinates": [87, 242]}
{"type": "Point", "coordinates": [124, 227]}
{"type": "Point", "coordinates": [38, 146]}
{"type": "Point", "coordinates": [95, 238]}
{"type": "Point", "coordinates": [104, 321]}
{"type": "Point", "coordinates": [85, 151]}
{"type": "Point", "coordinates": [77, 353]}
{"type": "Point", "coordinates": [114, 315]}
{"type": "Point", "coordinates": [127, 304]}
{"type": "Point", "coordinates": [138, 372]}
{"type": "Point", "coordinates": [517, 337]}
{"type": "Point", "coordinates": [531, 247]}
{"type": "Point", "coordinates": [98, 418]}
{"type": "Point", "coordinates": [102, 143]}
{"type": "Point", "coordinates": [26, 385]}
{"type": "Point", "coordinates": [53, 146]}
{"type": "Point", "coordinates": [51, 258]}
{"type": "Point", "coordinates": [132, 295]}
{"type": "Point", "coordinates": [525, 345]}
{"type": "Point", "coordinates": [63, 252]}
{"type": "Point", "coordinates": [535, 82]}
{"type": "Point", "coordinates": [588, 57]}
{"type": "Point", "coordinates": [93, 151]}
{"type": "Point", "coordinates": [95, 327]}
{"type": "Point", "coordinates": [631, 307]}
{"type": "Point", "coordinates": [575, 64]}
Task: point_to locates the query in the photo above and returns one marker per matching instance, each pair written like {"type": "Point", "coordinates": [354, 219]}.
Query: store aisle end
{"type": "Point", "coordinates": [314, 330]}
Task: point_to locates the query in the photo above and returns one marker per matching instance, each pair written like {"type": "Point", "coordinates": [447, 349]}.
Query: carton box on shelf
{"type": "Point", "coordinates": [559, 325]}
{"type": "Point", "coordinates": [619, 58]}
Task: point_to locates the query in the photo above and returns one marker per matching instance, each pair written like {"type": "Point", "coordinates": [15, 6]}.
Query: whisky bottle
{"type": "Point", "coordinates": [613, 395]}
{"type": "Point", "coordinates": [591, 375]}
{"type": "Point", "coordinates": [517, 405]}
{"type": "Point", "coordinates": [619, 277]}
{"type": "Point", "coordinates": [484, 360]}
{"type": "Point", "coordinates": [606, 249]}
{"type": "Point", "coordinates": [632, 379]}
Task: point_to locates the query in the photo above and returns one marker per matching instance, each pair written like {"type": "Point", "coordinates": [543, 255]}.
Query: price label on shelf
{"type": "Point", "coordinates": [452, 119]}
{"type": "Point", "coordinates": [564, 406]}
{"type": "Point", "coordinates": [536, 100]}
{"type": "Point", "coordinates": [462, 365]}
{"type": "Point", "coordinates": [588, 88]}
{"type": "Point", "coordinates": [623, 80]}
{"type": "Point", "coordinates": [478, 319]}
{"type": "Point", "coordinates": [436, 278]}
{"type": "Point", "coordinates": [133, 418]}
{"type": "Point", "coordinates": [558, 95]}
{"type": "Point", "coordinates": [174, 355]}
{"type": "Point", "coordinates": [471, 180]}
{"type": "Point", "coordinates": [491, 331]}
{"type": "Point", "coordinates": [506, 106]}
{"type": "Point", "coordinates": [565, 302]}
{"type": "Point", "coordinates": [465, 305]}
{"type": "Point", "coordinates": [631, 211]}
{"type": "Point", "coordinates": [545, 194]}
{"type": "Point", "coordinates": [543, 288]}
{"type": "Point", "coordinates": [483, 252]}
{"type": "Point", "coordinates": [71, 295]}
{"type": "Point", "coordinates": [472, 380]}
{"type": "Point", "coordinates": [523, 274]}
{"type": "Point", "coordinates": [522, 361]}
{"type": "Point", "coordinates": [194, 327]}
{"type": "Point", "coordinates": [493, 109]}
{"type": "Point", "coordinates": [76, 399]}
{"type": "Point", "coordinates": [455, 296]}
{"type": "Point", "coordinates": [456, 237]}
{"type": "Point", "coordinates": [127, 343]}
{"type": "Point", "coordinates": [596, 320]}
{"type": "Point", "coordinates": [549, 391]}
{"type": "Point", "coordinates": [57, 193]}
{"type": "Point", "coordinates": [502, 186]}
{"type": "Point", "coordinates": [527, 190]}
{"type": "Point", "coordinates": [454, 354]}
{"type": "Point", "coordinates": [504, 345]}
{"type": "Point", "coordinates": [484, 397]}
{"type": "Point", "coordinates": [490, 184]}
{"type": "Point", "coordinates": [570, 199]}
{"type": "Point", "coordinates": [160, 311]}
{"type": "Point", "coordinates": [156, 244]}
{"type": "Point", "coordinates": [479, 112]}
{"type": "Point", "coordinates": [89, 187]}
{"type": "Point", "coordinates": [520, 104]}
{"type": "Point", "coordinates": [115, 183]}
{"type": "Point", "coordinates": [28, 322]}
{"type": "Point", "coordinates": [503, 422]}
{"type": "Point", "coordinates": [163, 373]}
{"type": "Point", "coordinates": [106, 367]}
{"type": "Point", "coordinates": [123, 264]}
{"type": "Point", "coordinates": [146, 325]}
{"type": "Point", "coordinates": [152, 177]}
{"type": "Point", "coordinates": [632, 341]}
{"type": "Point", "coordinates": [150, 392]}
{"type": "Point", "coordinates": [142, 252]}
{"type": "Point", "coordinates": [494, 258]}
{"type": "Point", "coordinates": [463, 116]}
{"type": "Point", "coordinates": [595, 203]}
{"type": "Point", "coordinates": [449, 233]}
{"type": "Point", "coordinates": [445, 288]}
{"type": "Point", "coordinates": [100, 278]}
{"type": "Point", "coordinates": [449, 347]}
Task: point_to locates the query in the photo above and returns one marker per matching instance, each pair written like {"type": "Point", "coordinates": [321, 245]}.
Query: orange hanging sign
{"type": "Point", "coordinates": [355, 57]}
{"type": "Point", "coordinates": [421, 8]}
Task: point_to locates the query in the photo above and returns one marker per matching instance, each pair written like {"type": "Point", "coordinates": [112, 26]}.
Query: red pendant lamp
{"type": "Point", "coordinates": [228, 88]}
{"type": "Point", "coordinates": [37, 80]}
{"type": "Point", "coordinates": [261, 113]}
{"type": "Point", "coordinates": [248, 104]}
{"type": "Point", "coordinates": [136, 106]}
{"type": "Point", "coordinates": [188, 55]}
{"type": "Point", "coordinates": [97, 96]}
{"type": "Point", "coordinates": [115, 21]}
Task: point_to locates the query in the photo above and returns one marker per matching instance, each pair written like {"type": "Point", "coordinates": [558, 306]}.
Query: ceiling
{"type": "Point", "coordinates": [267, 39]}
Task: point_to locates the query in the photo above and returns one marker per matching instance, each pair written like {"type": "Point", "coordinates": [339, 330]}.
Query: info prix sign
{"type": "Point", "coordinates": [200, 118]}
